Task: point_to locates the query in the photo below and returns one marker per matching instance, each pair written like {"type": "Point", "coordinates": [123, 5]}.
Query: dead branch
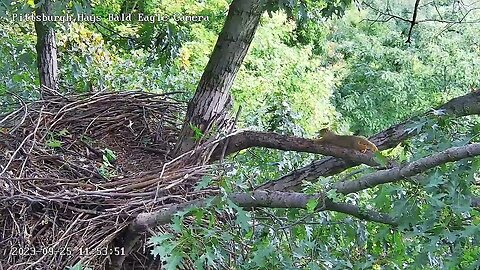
{"type": "Point", "coordinates": [387, 15]}
{"type": "Point", "coordinates": [413, 21]}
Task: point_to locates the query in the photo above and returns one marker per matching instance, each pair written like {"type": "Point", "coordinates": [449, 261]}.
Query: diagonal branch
{"type": "Point", "coordinates": [413, 21]}
{"type": "Point", "coordinates": [408, 170]}
{"type": "Point", "coordinates": [383, 13]}
{"type": "Point", "coordinates": [391, 137]}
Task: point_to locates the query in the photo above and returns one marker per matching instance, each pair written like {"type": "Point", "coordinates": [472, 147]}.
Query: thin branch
{"type": "Point", "coordinates": [413, 21]}
{"type": "Point", "coordinates": [389, 15]}
{"type": "Point", "coordinates": [363, 214]}
{"type": "Point", "coordinates": [385, 16]}
{"type": "Point", "coordinates": [408, 170]}
{"type": "Point", "coordinates": [452, 23]}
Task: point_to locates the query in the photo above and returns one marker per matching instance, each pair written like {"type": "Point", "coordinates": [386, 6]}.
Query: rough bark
{"type": "Point", "coordinates": [247, 139]}
{"type": "Point", "coordinates": [391, 137]}
{"type": "Point", "coordinates": [407, 170]}
{"type": "Point", "coordinates": [211, 102]}
{"type": "Point", "coordinates": [475, 203]}
{"type": "Point", "coordinates": [46, 48]}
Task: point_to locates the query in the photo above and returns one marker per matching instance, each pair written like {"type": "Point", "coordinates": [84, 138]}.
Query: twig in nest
{"type": "Point", "coordinates": [15, 153]}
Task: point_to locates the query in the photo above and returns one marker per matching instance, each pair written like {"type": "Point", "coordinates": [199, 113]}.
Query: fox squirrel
{"type": "Point", "coordinates": [359, 143]}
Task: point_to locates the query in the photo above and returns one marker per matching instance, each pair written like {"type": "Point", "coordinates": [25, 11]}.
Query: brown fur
{"type": "Point", "coordinates": [359, 143]}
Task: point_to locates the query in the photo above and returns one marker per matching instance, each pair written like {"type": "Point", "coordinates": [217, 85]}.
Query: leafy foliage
{"type": "Point", "coordinates": [17, 68]}
{"type": "Point", "coordinates": [386, 73]}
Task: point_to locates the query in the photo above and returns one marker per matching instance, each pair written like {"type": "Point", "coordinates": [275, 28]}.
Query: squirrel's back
{"type": "Point", "coordinates": [347, 141]}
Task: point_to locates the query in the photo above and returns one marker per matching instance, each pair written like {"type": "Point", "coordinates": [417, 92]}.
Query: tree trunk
{"type": "Point", "coordinates": [46, 49]}
{"type": "Point", "coordinates": [211, 102]}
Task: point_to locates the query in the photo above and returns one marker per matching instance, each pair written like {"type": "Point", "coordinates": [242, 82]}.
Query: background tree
{"type": "Point", "coordinates": [46, 45]}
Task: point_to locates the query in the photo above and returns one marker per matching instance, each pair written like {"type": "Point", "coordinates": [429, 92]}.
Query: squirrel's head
{"type": "Point", "coordinates": [324, 131]}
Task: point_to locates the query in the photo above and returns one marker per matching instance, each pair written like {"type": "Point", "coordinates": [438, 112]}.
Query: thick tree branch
{"type": "Point", "coordinates": [251, 200]}
{"type": "Point", "coordinates": [247, 139]}
{"type": "Point", "coordinates": [276, 199]}
{"type": "Point", "coordinates": [408, 170]}
{"type": "Point", "coordinates": [391, 137]}
{"type": "Point", "coordinates": [475, 203]}
{"type": "Point", "coordinates": [267, 199]}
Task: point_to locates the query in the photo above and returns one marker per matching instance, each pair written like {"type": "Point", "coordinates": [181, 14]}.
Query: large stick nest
{"type": "Point", "coordinates": [75, 170]}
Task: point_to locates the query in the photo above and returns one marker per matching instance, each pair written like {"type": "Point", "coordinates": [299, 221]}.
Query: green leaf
{"type": "Point", "coordinates": [243, 219]}
{"type": "Point", "coordinates": [77, 8]}
{"type": "Point", "coordinates": [198, 213]}
{"type": "Point", "coordinates": [312, 205]}
{"type": "Point", "coordinates": [3, 11]}
{"type": "Point", "coordinates": [177, 224]}
{"type": "Point", "coordinates": [109, 155]}
{"type": "Point", "coordinates": [435, 180]}
{"type": "Point", "coordinates": [333, 195]}
{"type": "Point", "coordinates": [210, 256]}
{"type": "Point", "coordinates": [174, 261]}
{"type": "Point", "coordinates": [164, 250]}
{"type": "Point", "coordinates": [106, 163]}
{"type": "Point", "coordinates": [79, 266]}
{"type": "Point", "coordinates": [203, 183]}
{"type": "Point", "coordinates": [53, 143]}
{"type": "Point", "coordinates": [159, 239]}
{"type": "Point", "coordinates": [63, 132]}
{"type": "Point", "coordinates": [261, 256]}
{"type": "Point", "coordinates": [17, 78]}
{"type": "Point", "coordinates": [380, 159]}
{"type": "Point", "coordinates": [197, 132]}
{"type": "Point", "coordinates": [31, 3]}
